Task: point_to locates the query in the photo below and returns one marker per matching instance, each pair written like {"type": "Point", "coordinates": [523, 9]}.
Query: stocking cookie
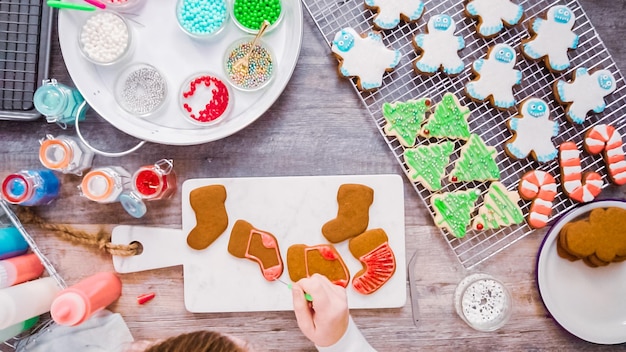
{"type": "Point", "coordinates": [607, 140]}
{"type": "Point", "coordinates": [372, 249]}
{"type": "Point", "coordinates": [404, 119]}
{"type": "Point", "coordinates": [354, 202]}
{"type": "Point", "coordinates": [454, 210]}
{"type": "Point", "coordinates": [427, 163]}
{"type": "Point", "coordinates": [439, 47]}
{"type": "Point", "coordinates": [211, 218]}
{"type": "Point", "coordinates": [259, 246]}
{"type": "Point", "coordinates": [364, 57]}
{"type": "Point", "coordinates": [476, 163]}
{"type": "Point", "coordinates": [532, 132]}
{"type": "Point", "coordinates": [493, 15]}
{"type": "Point", "coordinates": [552, 38]}
{"type": "Point", "coordinates": [580, 187]}
{"type": "Point", "coordinates": [584, 93]}
{"type": "Point", "coordinates": [304, 261]}
{"type": "Point", "coordinates": [500, 208]}
{"type": "Point", "coordinates": [449, 120]}
{"type": "Point", "coordinates": [390, 12]}
{"type": "Point", "coordinates": [539, 187]}
{"type": "Point", "coordinates": [495, 77]}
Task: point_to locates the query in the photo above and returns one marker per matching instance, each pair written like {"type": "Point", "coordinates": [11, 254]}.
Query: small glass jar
{"type": "Point", "coordinates": [202, 19]}
{"type": "Point", "coordinates": [59, 103]}
{"type": "Point", "coordinates": [248, 15]}
{"type": "Point", "coordinates": [205, 99]}
{"type": "Point", "coordinates": [249, 68]}
{"type": "Point", "coordinates": [65, 154]}
{"type": "Point", "coordinates": [105, 184]}
{"type": "Point", "coordinates": [31, 187]}
{"type": "Point", "coordinates": [123, 5]}
{"type": "Point", "coordinates": [105, 38]}
{"type": "Point", "coordinates": [141, 90]}
{"type": "Point", "coordinates": [483, 302]}
{"type": "Point", "coordinates": [155, 182]}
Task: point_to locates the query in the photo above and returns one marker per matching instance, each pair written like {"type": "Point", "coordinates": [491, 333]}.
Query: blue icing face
{"type": "Point", "coordinates": [536, 108]}
{"type": "Point", "coordinates": [505, 54]}
{"type": "Point", "coordinates": [442, 22]}
{"type": "Point", "coordinates": [562, 14]}
{"type": "Point", "coordinates": [605, 81]}
{"type": "Point", "coordinates": [344, 40]}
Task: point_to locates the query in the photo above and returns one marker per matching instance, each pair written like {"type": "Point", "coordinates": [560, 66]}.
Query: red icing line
{"type": "Point", "coordinates": [329, 254]}
{"type": "Point", "coordinates": [142, 299]}
{"type": "Point", "coordinates": [271, 273]}
{"type": "Point", "coordinates": [380, 264]}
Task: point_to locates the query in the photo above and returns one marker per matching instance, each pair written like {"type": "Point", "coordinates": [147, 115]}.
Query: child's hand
{"type": "Point", "coordinates": [325, 320]}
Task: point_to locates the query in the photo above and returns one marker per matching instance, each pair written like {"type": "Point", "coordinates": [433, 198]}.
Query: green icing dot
{"type": "Point", "coordinates": [499, 210]}
{"type": "Point", "coordinates": [455, 210]}
{"type": "Point", "coordinates": [428, 163]}
{"type": "Point", "coordinates": [251, 13]}
{"type": "Point", "coordinates": [405, 118]}
{"type": "Point", "coordinates": [477, 162]}
{"type": "Point", "coordinates": [448, 121]}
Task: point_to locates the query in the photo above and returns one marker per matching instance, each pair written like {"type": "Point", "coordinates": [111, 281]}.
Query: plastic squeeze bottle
{"type": "Point", "coordinates": [77, 303]}
{"type": "Point", "coordinates": [24, 301]}
{"type": "Point", "coordinates": [11, 242]}
{"type": "Point", "coordinates": [20, 269]}
{"type": "Point", "coordinates": [17, 329]}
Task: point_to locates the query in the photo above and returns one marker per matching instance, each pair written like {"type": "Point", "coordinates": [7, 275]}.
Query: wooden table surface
{"type": "Point", "coordinates": [315, 128]}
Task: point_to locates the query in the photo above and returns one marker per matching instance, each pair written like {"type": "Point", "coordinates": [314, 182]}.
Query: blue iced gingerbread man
{"type": "Point", "coordinates": [533, 131]}
{"type": "Point", "coordinates": [439, 47]}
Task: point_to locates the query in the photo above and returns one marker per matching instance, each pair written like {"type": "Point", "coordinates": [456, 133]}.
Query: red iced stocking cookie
{"type": "Point", "coordinates": [256, 245]}
{"type": "Point", "coordinates": [211, 217]}
{"type": "Point", "coordinates": [372, 249]}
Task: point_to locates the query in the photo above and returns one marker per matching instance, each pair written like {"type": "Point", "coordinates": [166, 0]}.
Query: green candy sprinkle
{"type": "Point", "coordinates": [251, 13]}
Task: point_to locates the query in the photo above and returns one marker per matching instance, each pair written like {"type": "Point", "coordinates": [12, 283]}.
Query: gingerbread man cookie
{"type": "Point", "coordinates": [390, 12]}
{"type": "Point", "coordinates": [552, 38]}
{"type": "Point", "coordinates": [584, 93]}
{"type": "Point", "coordinates": [439, 47]}
{"type": "Point", "coordinates": [493, 15]}
{"type": "Point", "coordinates": [533, 131]}
{"type": "Point", "coordinates": [496, 77]}
{"type": "Point", "coordinates": [364, 57]}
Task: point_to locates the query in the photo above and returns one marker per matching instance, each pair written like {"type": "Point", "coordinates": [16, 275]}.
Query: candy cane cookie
{"type": "Point", "coordinates": [540, 187]}
{"type": "Point", "coordinates": [580, 187]}
{"type": "Point", "coordinates": [606, 139]}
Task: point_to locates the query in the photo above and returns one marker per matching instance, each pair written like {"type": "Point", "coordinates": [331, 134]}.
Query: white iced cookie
{"type": "Point", "coordinates": [584, 93]}
{"type": "Point", "coordinates": [532, 132]}
{"type": "Point", "coordinates": [493, 15]}
{"type": "Point", "coordinates": [552, 38]}
{"type": "Point", "coordinates": [496, 77]}
{"type": "Point", "coordinates": [439, 47]}
{"type": "Point", "coordinates": [390, 12]}
{"type": "Point", "coordinates": [364, 57]}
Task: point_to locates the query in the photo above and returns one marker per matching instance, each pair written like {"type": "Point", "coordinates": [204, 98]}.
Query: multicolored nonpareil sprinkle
{"type": "Point", "coordinates": [251, 13]}
{"type": "Point", "coordinates": [258, 71]}
{"type": "Point", "coordinates": [202, 17]}
{"type": "Point", "coordinates": [205, 99]}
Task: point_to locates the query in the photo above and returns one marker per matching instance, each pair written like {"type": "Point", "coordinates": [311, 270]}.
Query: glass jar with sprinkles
{"type": "Point", "coordinates": [140, 90]}
{"type": "Point", "coordinates": [202, 19]}
{"type": "Point", "coordinates": [105, 38]}
{"type": "Point", "coordinates": [205, 99]}
{"type": "Point", "coordinates": [249, 68]}
{"type": "Point", "coordinates": [483, 302]}
{"type": "Point", "coordinates": [248, 15]}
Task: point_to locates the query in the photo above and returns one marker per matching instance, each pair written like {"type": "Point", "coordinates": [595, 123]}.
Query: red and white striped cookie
{"type": "Point", "coordinates": [580, 187]}
{"type": "Point", "coordinates": [540, 187]}
{"type": "Point", "coordinates": [605, 138]}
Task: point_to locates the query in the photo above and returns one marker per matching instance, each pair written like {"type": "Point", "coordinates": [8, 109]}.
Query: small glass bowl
{"type": "Point", "coordinates": [205, 99]}
{"type": "Point", "coordinates": [259, 71]}
{"type": "Point", "coordinates": [483, 302]}
{"type": "Point", "coordinates": [242, 8]}
{"type": "Point", "coordinates": [194, 17]}
{"type": "Point", "coordinates": [141, 89]}
{"type": "Point", "coordinates": [123, 5]}
{"type": "Point", "coordinates": [99, 44]}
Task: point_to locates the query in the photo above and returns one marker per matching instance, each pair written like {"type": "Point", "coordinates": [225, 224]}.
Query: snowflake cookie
{"type": "Point", "coordinates": [449, 120]}
{"type": "Point", "coordinates": [439, 47]}
{"type": "Point", "coordinates": [427, 163]}
{"type": "Point", "coordinates": [364, 57]}
{"type": "Point", "coordinates": [495, 77]}
{"type": "Point", "coordinates": [533, 131]}
{"type": "Point", "coordinates": [390, 12]}
{"type": "Point", "coordinates": [584, 93]}
{"type": "Point", "coordinates": [500, 208]}
{"type": "Point", "coordinates": [404, 119]}
{"type": "Point", "coordinates": [453, 210]}
{"type": "Point", "coordinates": [493, 15]}
{"type": "Point", "coordinates": [552, 38]}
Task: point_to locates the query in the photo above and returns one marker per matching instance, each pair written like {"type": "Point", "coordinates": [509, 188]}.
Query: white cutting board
{"type": "Point", "coordinates": [293, 209]}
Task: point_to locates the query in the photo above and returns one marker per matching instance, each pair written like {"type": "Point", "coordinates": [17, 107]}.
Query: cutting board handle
{"type": "Point", "coordinates": [161, 248]}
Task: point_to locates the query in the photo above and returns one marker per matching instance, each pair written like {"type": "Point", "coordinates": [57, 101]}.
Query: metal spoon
{"type": "Point", "coordinates": [243, 62]}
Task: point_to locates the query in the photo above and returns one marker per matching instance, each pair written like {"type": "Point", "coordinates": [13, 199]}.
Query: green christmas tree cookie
{"type": "Point", "coordinates": [499, 209]}
{"type": "Point", "coordinates": [476, 163]}
{"type": "Point", "coordinates": [404, 119]}
{"type": "Point", "coordinates": [448, 121]}
{"type": "Point", "coordinates": [427, 163]}
{"type": "Point", "coordinates": [454, 210]}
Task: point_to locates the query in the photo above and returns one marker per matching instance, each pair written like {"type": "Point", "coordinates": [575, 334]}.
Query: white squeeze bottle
{"type": "Point", "coordinates": [24, 301]}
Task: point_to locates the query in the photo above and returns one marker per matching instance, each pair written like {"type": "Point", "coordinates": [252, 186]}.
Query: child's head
{"type": "Point", "coordinates": [197, 341]}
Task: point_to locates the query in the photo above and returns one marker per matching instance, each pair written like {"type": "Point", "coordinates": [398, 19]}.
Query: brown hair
{"type": "Point", "coordinates": [197, 341]}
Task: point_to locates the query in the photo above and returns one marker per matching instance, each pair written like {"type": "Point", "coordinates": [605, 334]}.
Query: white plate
{"type": "Point", "coordinates": [160, 42]}
{"type": "Point", "coordinates": [587, 302]}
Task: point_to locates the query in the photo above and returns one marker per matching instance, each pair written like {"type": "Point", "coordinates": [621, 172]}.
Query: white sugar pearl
{"type": "Point", "coordinates": [482, 302]}
{"type": "Point", "coordinates": [104, 37]}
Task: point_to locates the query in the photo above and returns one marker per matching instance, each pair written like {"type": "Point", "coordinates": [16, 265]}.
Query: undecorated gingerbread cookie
{"type": "Point", "coordinates": [390, 12]}
{"type": "Point", "coordinates": [438, 48]}
{"type": "Point", "coordinates": [364, 57]}
{"type": "Point", "coordinates": [493, 15]}
{"type": "Point", "coordinates": [208, 204]}
{"type": "Point", "coordinates": [353, 206]}
{"type": "Point", "coordinates": [584, 93]}
{"type": "Point", "coordinates": [532, 132]}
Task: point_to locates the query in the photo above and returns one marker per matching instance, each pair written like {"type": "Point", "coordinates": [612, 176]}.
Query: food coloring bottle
{"type": "Point", "coordinates": [24, 301]}
{"type": "Point", "coordinates": [12, 243]}
{"type": "Point", "coordinates": [58, 102]}
{"type": "Point", "coordinates": [65, 154]}
{"type": "Point", "coordinates": [20, 269]}
{"type": "Point", "coordinates": [17, 329]}
{"type": "Point", "coordinates": [31, 187]}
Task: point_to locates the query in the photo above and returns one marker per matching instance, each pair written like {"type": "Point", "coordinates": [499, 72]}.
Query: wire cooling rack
{"type": "Point", "coordinates": [403, 84]}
